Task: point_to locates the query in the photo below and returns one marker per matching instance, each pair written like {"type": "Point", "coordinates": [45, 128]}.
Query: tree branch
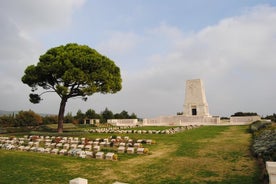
{"type": "Point", "coordinates": [47, 92]}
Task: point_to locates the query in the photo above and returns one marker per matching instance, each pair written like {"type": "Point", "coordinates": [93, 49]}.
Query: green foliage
{"type": "Point", "coordinates": [258, 125]}
{"type": "Point", "coordinates": [245, 114]}
{"type": "Point", "coordinates": [11, 120]}
{"type": "Point", "coordinates": [264, 140]}
{"type": "Point", "coordinates": [80, 116]}
{"type": "Point", "coordinates": [49, 119]}
{"type": "Point", "coordinates": [124, 115]}
{"type": "Point", "coordinates": [133, 116]}
{"type": "Point", "coordinates": [22, 119]}
{"type": "Point", "coordinates": [107, 114]}
{"type": "Point", "coordinates": [91, 114]}
{"type": "Point", "coordinates": [224, 118]}
{"type": "Point", "coordinates": [68, 118]}
{"type": "Point", "coordinates": [7, 121]}
{"type": "Point", "coordinates": [72, 70]}
{"type": "Point", "coordinates": [103, 116]}
{"type": "Point", "coordinates": [271, 117]}
{"type": "Point", "coordinates": [35, 98]}
{"type": "Point", "coordinates": [27, 118]}
{"type": "Point", "coordinates": [179, 113]}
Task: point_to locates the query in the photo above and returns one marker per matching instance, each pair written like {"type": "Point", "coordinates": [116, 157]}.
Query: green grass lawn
{"type": "Point", "coordinates": [203, 155]}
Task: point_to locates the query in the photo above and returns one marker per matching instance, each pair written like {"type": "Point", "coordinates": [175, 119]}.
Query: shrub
{"type": "Point", "coordinates": [258, 125]}
{"type": "Point", "coordinates": [49, 119]}
{"type": "Point", "coordinates": [271, 117]}
{"type": "Point", "coordinates": [27, 118]}
{"type": "Point", "coordinates": [265, 145]}
{"type": "Point", "coordinates": [245, 114]}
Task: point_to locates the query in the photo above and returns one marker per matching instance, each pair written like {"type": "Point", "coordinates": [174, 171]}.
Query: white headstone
{"type": "Point", "coordinates": [140, 150]}
{"type": "Point", "coordinates": [130, 150]}
{"type": "Point", "coordinates": [99, 155]}
{"type": "Point", "coordinates": [271, 170]}
{"type": "Point", "coordinates": [78, 181]}
{"type": "Point", "coordinates": [109, 156]}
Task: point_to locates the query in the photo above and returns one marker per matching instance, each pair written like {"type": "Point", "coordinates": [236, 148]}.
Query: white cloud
{"type": "Point", "coordinates": [246, 41]}
{"type": "Point", "coordinates": [20, 22]}
{"type": "Point", "coordinates": [120, 43]}
{"type": "Point", "coordinates": [34, 14]}
{"type": "Point", "coordinates": [235, 58]}
{"type": "Point", "coordinates": [166, 31]}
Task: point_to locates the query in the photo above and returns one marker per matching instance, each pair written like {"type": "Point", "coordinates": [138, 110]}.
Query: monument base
{"type": "Point", "coordinates": [181, 120]}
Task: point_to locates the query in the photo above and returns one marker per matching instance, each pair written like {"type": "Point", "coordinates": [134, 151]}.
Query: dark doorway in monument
{"type": "Point", "coordinates": [194, 112]}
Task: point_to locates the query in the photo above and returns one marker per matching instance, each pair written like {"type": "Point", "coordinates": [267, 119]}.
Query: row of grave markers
{"type": "Point", "coordinates": [122, 130]}
{"type": "Point", "coordinates": [83, 147]}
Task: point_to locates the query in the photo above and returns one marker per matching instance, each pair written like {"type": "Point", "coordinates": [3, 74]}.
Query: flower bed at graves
{"type": "Point", "coordinates": [107, 148]}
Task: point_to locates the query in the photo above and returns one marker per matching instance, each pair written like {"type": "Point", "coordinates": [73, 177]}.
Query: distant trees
{"type": "Point", "coordinates": [80, 116]}
{"type": "Point", "coordinates": [103, 116]}
{"type": "Point", "coordinates": [124, 115]}
{"type": "Point", "coordinates": [91, 114]}
{"type": "Point", "coordinates": [271, 117]}
{"type": "Point", "coordinates": [7, 121]}
{"type": "Point", "coordinates": [107, 114]}
{"type": "Point", "coordinates": [49, 119]}
{"type": "Point", "coordinates": [245, 114]}
{"type": "Point", "coordinates": [22, 118]}
{"type": "Point", "coordinates": [69, 118]}
{"type": "Point", "coordinates": [30, 118]}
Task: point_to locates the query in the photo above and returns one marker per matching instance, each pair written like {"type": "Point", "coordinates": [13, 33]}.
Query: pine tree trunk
{"type": "Point", "coordinates": [61, 114]}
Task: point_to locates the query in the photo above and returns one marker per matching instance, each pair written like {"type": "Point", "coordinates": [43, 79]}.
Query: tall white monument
{"type": "Point", "coordinates": [195, 100]}
{"type": "Point", "coordinates": [195, 111]}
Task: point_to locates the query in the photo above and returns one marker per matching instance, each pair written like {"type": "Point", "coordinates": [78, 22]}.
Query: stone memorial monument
{"type": "Point", "coordinates": [195, 112]}
{"type": "Point", "coordinates": [195, 100]}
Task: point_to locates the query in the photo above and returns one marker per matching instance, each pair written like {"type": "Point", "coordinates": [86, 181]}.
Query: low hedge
{"type": "Point", "coordinates": [258, 125]}
{"type": "Point", "coordinates": [264, 140]}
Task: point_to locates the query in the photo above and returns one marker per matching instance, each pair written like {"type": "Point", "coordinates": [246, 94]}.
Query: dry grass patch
{"type": "Point", "coordinates": [217, 160]}
{"type": "Point", "coordinates": [228, 154]}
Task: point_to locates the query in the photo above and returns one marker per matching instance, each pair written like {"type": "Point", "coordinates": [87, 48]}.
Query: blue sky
{"type": "Point", "coordinates": [158, 45]}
